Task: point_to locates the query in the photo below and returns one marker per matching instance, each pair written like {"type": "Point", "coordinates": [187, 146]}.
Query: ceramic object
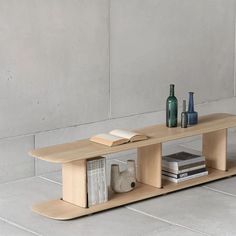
{"type": "Point", "coordinates": [124, 181]}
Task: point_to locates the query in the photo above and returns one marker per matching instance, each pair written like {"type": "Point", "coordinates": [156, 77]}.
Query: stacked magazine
{"type": "Point", "coordinates": [96, 181]}
{"type": "Point", "coordinates": [183, 166]}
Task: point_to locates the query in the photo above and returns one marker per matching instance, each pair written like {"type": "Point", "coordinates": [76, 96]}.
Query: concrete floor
{"type": "Point", "coordinates": [206, 210]}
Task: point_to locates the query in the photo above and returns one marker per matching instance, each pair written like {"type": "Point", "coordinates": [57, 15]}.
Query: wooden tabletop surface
{"type": "Point", "coordinates": [85, 149]}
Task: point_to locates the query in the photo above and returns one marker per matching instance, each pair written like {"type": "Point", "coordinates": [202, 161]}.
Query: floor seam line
{"type": "Point", "coordinates": [19, 226]}
{"type": "Point", "coordinates": [18, 180]}
{"type": "Point", "coordinates": [167, 221]}
{"type": "Point", "coordinates": [50, 180]}
{"type": "Point", "coordinates": [219, 191]}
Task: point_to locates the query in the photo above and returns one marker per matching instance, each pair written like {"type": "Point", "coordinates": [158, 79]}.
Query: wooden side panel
{"type": "Point", "coordinates": [74, 183]}
{"type": "Point", "coordinates": [149, 165]}
{"type": "Point", "coordinates": [215, 149]}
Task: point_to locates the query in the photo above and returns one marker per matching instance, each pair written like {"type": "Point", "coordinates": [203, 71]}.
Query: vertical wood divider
{"type": "Point", "coordinates": [214, 146]}
{"type": "Point", "coordinates": [149, 165]}
{"type": "Point", "coordinates": [74, 182]}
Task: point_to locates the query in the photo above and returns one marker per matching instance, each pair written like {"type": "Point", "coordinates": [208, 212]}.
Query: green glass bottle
{"type": "Point", "coordinates": [172, 108]}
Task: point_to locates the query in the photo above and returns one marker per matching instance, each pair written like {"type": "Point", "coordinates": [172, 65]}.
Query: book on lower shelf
{"type": "Point", "coordinates": [182, 166]}
{"type": "Point", "coordinates": [96, 181]}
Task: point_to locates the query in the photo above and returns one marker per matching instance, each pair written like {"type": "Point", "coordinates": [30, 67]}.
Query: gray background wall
{"type": "Point", "coordinates": [70, 69]}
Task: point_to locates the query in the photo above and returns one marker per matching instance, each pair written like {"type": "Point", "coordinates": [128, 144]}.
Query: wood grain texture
{"type": "Point", "coordinates": [214, 148]}
{"type": "Point", "coordinates": [60, 210]}
{"type": "Point", "coordinates": [149, 165]}
{"type": "Point", "coordinates": [85, 149]}
{"type": "Point", "coordinates": [74, 183]}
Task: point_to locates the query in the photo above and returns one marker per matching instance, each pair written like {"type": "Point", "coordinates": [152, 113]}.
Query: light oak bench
{"type": "Point", "coordinates": [73, 156]}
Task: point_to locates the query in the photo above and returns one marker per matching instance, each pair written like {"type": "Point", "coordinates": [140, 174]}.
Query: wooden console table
{"type": "Point", "coordinates": [73, 158]}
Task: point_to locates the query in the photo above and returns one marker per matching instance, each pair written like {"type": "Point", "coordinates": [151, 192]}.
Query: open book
{"type": "Point", "coordinates": [117, 137]}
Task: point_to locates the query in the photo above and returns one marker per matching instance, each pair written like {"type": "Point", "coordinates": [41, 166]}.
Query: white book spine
{"type": "Point", "coordinates": [176, 165]}
{"type": "Point", "coordinates": [186, 178]}
{"type": "Point", "coordinates": [99, 181]}
{"type": "Point", "coordinates": [183, 171]}
{"type": "Point", "coordinates": [105, 182]}
{"type": "Point", "coordinates": [89, 186]}
{"type": "Point", "coordinates": [96, 182]}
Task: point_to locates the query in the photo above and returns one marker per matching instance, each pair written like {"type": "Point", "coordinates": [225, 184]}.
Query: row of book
{"type": "Point", "coordinates": [183, 166]}
{"type": "Point", "coordinates": [96, 181]}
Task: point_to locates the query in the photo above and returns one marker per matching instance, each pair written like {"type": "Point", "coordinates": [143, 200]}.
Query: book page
{"type": "Point", "coordinates": [123, 133]}
{"type": "Point", "coordinates": [108, 137]}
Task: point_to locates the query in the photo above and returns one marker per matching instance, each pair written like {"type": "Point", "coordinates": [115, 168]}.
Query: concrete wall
{"type": "Point", "coordinates": [70, 69]}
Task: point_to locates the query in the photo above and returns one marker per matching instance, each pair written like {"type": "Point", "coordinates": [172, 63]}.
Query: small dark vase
{"type": "Point", "coordinates": [192, 115]}
{"type": "Point", "coordinates": [184, 116]}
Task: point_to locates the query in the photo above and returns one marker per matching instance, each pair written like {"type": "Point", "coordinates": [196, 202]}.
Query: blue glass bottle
{"type": "Point", "coordinates": [192, 115]}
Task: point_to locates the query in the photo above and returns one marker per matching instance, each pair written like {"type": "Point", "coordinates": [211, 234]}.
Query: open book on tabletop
{"type": "Point", "coordinates": [117, 137]}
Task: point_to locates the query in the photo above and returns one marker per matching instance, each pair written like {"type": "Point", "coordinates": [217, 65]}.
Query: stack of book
{"type": "Point", "coordinates": [183, 166]}
{"type": "Point", "coordinates": [96, 181]}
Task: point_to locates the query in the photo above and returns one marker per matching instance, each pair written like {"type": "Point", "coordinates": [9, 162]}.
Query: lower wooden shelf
{"type": "Point", "coordinates": [61, 210]}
